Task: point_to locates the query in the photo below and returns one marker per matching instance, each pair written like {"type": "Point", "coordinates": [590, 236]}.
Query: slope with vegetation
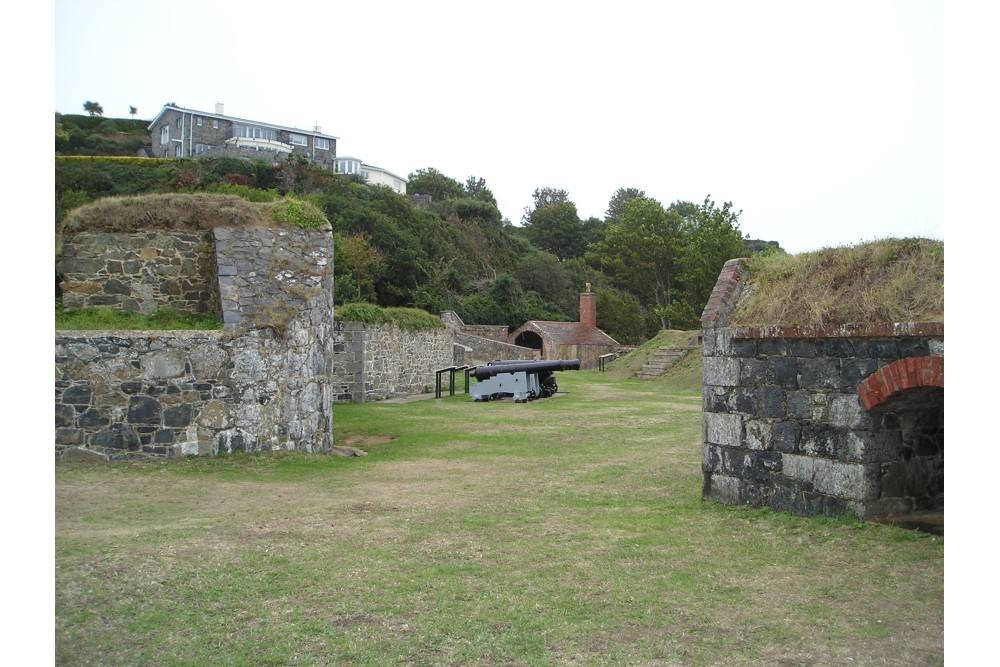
{"type": "Point", "coordinates": [651, 266]}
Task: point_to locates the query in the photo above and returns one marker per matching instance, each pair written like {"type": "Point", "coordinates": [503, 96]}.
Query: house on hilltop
{"type": "Point", "coordinates": [373, 175]}
{"type": "Point", "coordinates": [178, 132]}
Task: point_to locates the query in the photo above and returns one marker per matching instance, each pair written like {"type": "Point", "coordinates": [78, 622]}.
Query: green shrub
{"type": "Point", "coordinates": [367, 313]}
{"type": "Point", "coordinates": [244, 192]}
{"type": "Point", "coordinates": [108, 126]}
{"type": "Point", "coordinates": [408, 319]}
{"type": "Point", "coordinates": [298, 212]}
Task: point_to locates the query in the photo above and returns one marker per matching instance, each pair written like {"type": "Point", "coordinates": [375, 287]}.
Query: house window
{"type": "Point", "coordinates": [179, 121]}
{"type": "Point", "coordinates": [164, 135]}
{"type": "Point", "coordinates": [297, 139]}
{"type": "Point", "coordinates": [397, 185]}
{"type": "Point", "coordinates": [201, 148]}
{"type": "Point", "coordinates": [199, 121]}
{"type": "Point", "coordinates": [215, 123]}
{"type": "Point", "coordinates": [321, 144]}
{"type": "Point", "coordinates": [254, 132]}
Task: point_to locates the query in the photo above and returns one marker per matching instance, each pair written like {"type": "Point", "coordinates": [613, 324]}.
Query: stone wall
{"type": "Point", "coordinates": [485, 350]}
{"type": "Point", "coordinates": [142, 272]}
{"type": "Point", "coordinates": [822, 420]}
{"type": "Point", "coordinates": [485, 342]}
{"type": "Point", "coordinates": [375, 362]}
{"type": "Point", "coordinates": [262, 384]}
{"type": "Point", "coordinates": [489, 331]}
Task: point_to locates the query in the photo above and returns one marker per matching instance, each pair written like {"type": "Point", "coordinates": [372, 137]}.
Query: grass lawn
{"type": "Point", "coordinates": [566, 531]}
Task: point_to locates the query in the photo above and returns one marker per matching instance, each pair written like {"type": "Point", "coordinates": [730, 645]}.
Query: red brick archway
{"type": "Point", "coordinates": [898, 376]}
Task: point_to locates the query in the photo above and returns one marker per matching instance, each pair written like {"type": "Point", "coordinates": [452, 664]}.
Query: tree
{"type": "Point", "coordinates": [132, 111]}
{"type": "Point", "coordinates": [685, 208]}
{"type": "Point", "coordinates": [547, 196]}
{"type": "Point", "coordinates": [641, 252]}
{"type": "Point", "coordinates": [556, 227]}
{"type": "Point", "coordinates": [618, 200]}
{"type": "Point", "coordinates": [544, 274]}
{"type": "Point", "coordinates": [93, 108]}
{"type": "Point", "coordinates": [711, 238]}
{"type": "Point", "coordinates": [432, 182]}
{"type": "Point", "coordinates": [476, 189]}
{"type": "Point", "coordinates": [593, 231]}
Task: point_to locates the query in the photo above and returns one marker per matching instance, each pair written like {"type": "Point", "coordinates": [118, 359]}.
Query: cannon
{"type": "Point", "coordinates": [522, 380]}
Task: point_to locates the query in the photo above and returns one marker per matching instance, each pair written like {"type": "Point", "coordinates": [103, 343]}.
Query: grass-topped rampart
{"type": "Point", "coordinates": [190, 212]}
{"type": "Point", "coordinates": [892, 280]}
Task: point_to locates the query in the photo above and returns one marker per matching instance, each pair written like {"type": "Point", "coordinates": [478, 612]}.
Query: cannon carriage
{"type": "Point", "coordinates": [521, 380]}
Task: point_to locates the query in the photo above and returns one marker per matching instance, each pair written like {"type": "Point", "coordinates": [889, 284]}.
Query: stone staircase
{"type": "Point", "coordinates": [662, 360]}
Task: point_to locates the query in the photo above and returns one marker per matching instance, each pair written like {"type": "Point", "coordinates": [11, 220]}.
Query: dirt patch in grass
{"type": "Point", "coordinates": [362, 441]}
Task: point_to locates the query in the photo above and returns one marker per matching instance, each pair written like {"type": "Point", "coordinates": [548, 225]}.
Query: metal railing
{"type": "Point", "coordinates": [450, 370]}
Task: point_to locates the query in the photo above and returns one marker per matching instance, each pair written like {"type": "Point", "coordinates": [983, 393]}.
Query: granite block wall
{"type": "Point", "coordinates": [829, 420]}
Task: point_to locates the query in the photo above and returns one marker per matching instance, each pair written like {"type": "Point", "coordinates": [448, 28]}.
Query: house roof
{"type": "Point", "coordinates": [233, 119]}
{"type": "Point", "coordinates": [569, 333]}
{"type": "Point", "coordinates": [370, 167]}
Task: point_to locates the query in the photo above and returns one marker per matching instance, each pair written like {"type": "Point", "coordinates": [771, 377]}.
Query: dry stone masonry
{"type": "Point", "coordinates": [142, 272]}
{"type": "Point", "coordinates": [376, 362]}
{"type": "Point", "coordinates": [262, 384]}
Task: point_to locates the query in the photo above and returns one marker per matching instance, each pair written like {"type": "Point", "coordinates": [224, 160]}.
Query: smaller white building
{"type": "Point", "coordinates": [373, 175]}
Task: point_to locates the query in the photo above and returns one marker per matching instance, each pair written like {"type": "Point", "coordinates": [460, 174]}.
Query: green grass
{"type": "Point", "coordinates": [97, 319]}
{"type": "Point", "coordinates": [568, 530]}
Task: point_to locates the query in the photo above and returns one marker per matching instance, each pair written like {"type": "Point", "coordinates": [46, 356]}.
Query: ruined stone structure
{"type": "Point", "coordinates": [822, 420]}
{"type": "Point", "coordinates": [262, 384]}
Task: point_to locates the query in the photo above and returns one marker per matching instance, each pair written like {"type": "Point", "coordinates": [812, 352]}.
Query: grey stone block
{"type": "Point", "coordinates": [846, 411]}
{"type": "Point", "coordinates": [770, 401]}
{"type": "Point", "coordinates": [721, 371]}
{"type": "Point", "coordinates": [723, 429]}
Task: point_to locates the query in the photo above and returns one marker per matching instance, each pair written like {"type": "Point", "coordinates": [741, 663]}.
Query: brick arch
{"type": "Point", "coordinates": [898, 376]}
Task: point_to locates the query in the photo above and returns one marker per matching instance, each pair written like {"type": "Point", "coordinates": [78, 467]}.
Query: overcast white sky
{"type": "Point", "coordinates": [821, 121]}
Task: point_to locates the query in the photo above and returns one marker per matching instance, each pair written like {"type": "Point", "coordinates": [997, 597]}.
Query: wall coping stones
{"type": "Point", "coordinates": [866, 330]}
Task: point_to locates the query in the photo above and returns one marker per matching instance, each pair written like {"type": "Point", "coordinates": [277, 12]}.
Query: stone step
{"type": "Point", "coordinates": [662, 360]}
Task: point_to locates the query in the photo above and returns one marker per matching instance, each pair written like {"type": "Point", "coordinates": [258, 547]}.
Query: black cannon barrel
{"type": "Point", "coordinates": [495, 368]}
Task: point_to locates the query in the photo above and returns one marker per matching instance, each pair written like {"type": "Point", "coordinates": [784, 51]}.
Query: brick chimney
{"type": "Point", "coordinates": [588, 308]}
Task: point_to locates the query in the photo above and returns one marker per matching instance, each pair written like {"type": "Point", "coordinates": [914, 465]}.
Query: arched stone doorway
{"type": "Point", "coordinates": [531, 340]}
{"type": "Point", "coordinates": [906, 403]}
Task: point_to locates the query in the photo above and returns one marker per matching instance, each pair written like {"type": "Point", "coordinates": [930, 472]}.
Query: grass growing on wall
{"type": "Point", "coordinates": [408, 319]}
{"type": "Point", "coordinates": [568, 530]}
{"type": "Point", "coordinates": [892, 280]}
{"type": "Point", "coordinates": [97, 319]}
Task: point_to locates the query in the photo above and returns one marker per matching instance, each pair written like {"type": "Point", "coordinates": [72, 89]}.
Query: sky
{"type": "Point", "coordinates": [822, 122]}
